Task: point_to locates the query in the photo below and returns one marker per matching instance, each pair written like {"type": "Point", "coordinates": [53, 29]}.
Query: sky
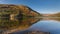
{"type": "Point", "coordinates": [41, 6]}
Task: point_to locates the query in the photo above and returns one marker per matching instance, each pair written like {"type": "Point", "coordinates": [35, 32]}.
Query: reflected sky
{"type": "Point", "coordinates": [47, 26]}
{"type": "Point", "coordinates": [41, 6]}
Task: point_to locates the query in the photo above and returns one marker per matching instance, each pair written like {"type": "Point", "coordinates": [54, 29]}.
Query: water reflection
{"type": "Point", "coordinates": [54, 18]}
{"type": "Point", "coordinates": [8, 25]}
{"type": "Point", "coordinates": [47, 25]}
{"type": "Point", "coordinates": [21, 25]}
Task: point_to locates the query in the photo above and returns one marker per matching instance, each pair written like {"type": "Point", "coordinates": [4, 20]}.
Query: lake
{"type": "Point", "coordinates": [21, 26]}
{"type": "Point", "coordinates": [45, 25]}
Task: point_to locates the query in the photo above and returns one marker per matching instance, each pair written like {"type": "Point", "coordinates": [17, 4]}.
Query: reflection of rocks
{"type": "Point", "coordinates": [30, 32]}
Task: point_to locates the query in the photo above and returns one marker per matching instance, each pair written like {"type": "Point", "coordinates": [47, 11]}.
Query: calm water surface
{"type": "Point", "coordinates": [51, 26]}
{"type": "Point", "coordinates": [44, 25]}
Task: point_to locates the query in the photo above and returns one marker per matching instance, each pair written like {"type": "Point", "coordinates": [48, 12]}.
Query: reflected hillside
{"type": "Point", "coordinates": [56, 19]}
{"type": "Point", "coordinates": [19, 24]}
{"type": "Point", "coordinates": [5, 23]}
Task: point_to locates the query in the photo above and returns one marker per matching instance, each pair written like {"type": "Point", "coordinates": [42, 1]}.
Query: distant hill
{"type": "Point", "coordinates": [55, 15]}
{"type": "Point", "coordinates": [52, 15]}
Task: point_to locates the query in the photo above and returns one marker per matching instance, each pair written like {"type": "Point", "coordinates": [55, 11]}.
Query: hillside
{"type": "Point", "coordinates": [15, 10]}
